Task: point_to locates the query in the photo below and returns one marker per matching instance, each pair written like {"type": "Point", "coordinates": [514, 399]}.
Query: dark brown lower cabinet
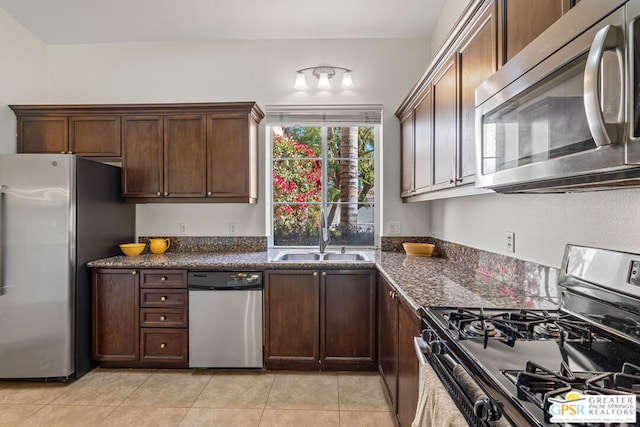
{"type": "Point", "coordinates": [115, 315]}
{"type": "Point", "coordinates": [320, 319]}
{"type": "Point", "coordinates": [398, 364]}
{"type": "Point", "coordinates": [140, 318]}
{"type": "Point", "coordinates": [292, 319]}
{"type": "Point", "coordinates": [408, 366]}
{"type": "Point", "coordinates": [388, 338]}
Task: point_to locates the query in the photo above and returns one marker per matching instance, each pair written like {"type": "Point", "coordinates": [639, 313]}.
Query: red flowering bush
{"type": "Point", "coordinates": [297, 178]}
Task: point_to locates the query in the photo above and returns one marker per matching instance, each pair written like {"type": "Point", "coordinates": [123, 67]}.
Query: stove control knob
{"type": "Point", "coordinates": [486, 410]}
{"type": "Point", "coordinates": [436, 347]}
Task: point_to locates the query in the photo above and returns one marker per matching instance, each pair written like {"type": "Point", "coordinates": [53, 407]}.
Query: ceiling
{"type": "Point", "coordinates": [109, 21]}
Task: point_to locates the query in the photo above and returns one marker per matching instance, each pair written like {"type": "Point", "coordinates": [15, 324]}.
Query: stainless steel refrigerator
{"type": "Point", "coordinates": [57, 212]}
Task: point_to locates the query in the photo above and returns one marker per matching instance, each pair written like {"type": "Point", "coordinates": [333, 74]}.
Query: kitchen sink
{"type": "Point", "coordinates": [315, 256]}
{"type": "Point", "coordinates": [298, 257]}
{"type": "Point", "coordinates": [344, 257]}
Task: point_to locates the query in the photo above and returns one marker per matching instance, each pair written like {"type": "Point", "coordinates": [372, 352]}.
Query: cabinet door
{"type": "Point", "coordinates": [142, 156]}
{"type": "Point", "coordinates": [524, 20]}
{"type": "Point", "coordinates": [184, 156]}
{"type": "Point", "coordinates": [43, 135]}
{"type": "Point", "coordinates": [348, 319]}
{"type": "Point", "coordinates": [388, 337]}
{"type": "Point", "coordinates": [292, 319]}
{"type": "Point", "coordinates": [423, 131]}
{"type": "Point", "coordinates": [408, 366]}
{"type": "Point", "coordinates": [477, 60]}
{"type": "Point", "coordinates": [232, 157]}
{"type": "Point", "coordinates": [406, 148]}
{"type": "Point", "coordinates": [445, 112]}
{"type": "Point", "coordinates": [95, 136]}
{"type": "Point", "coordinates": [115, 315]}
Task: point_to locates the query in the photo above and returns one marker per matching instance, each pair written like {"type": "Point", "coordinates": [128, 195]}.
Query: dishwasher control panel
{"type": "Point", "coordinates": [224, 280]}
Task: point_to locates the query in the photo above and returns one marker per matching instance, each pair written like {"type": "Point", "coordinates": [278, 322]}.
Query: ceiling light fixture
{"type": "Point", "coordinates": [323, 73]}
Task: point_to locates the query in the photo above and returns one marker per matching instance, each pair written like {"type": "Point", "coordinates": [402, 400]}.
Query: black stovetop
{"type": "Point", "coordinates": [508, 349]}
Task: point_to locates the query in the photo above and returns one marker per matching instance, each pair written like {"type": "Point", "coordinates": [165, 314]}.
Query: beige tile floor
{"type": "Point", "coordinates": [158, 398]}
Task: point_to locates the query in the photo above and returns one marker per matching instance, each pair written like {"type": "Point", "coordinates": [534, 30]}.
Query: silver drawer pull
{"type": "Point", "coordinates": [163, 345]}
{"type": "Point", "coordinates": [163, 298]}
{"type": "Point", "coordinates": [163, 318]}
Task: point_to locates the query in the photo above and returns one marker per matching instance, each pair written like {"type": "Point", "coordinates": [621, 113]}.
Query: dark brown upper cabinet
{"type": "Point", "coordinates": [524, 20]}
{"type": "Point", "coordinates": [170, 153]}
{"type": "Point", "coordinates": [52, 129]}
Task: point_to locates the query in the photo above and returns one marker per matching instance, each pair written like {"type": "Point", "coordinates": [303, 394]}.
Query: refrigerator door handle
{"type": "Point", "coordinates": [2, 211]}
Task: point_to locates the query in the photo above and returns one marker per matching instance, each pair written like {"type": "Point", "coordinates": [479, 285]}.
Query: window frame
{"type": "Point", "coordinates": [281, 119]}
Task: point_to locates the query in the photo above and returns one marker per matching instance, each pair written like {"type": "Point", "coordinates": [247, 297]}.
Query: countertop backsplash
{"type": "Point", "coordinates": [222, 244]}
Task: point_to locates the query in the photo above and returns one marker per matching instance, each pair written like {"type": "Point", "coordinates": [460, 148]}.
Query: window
{"type": "Point", "coordinates": [323, 168]}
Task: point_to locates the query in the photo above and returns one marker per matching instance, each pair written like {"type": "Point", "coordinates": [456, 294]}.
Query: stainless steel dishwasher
{"type": "Point", "coordinates": [225, 319]}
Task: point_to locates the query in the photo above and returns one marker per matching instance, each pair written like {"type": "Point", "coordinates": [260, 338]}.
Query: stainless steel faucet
{"type": "Point", "coordinates": [323, 231]}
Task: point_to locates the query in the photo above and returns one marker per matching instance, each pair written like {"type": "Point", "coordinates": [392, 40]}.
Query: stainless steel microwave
{"type": "Point", "coordinates": [564, 113]}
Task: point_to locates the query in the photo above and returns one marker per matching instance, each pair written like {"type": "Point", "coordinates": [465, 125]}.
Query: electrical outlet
{"type": "Point", "coordinates": [394, 228]}
{"type": "Point", "coordinates": [183, 228]}
{"type": "Point", "coordinates": [511, 241]}
{"type": "Point", "coordinates": [233, 228]}
{"type": "Point", "coordinates": [634, 273]}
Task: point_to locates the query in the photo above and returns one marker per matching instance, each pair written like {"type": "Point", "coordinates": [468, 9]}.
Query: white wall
{"type": "Point", "coordinates": [384, 70]}
{"type": "Point", "coordinates": [543, 224]}
{"type": "Point", "coordinates": [22, 75]}
{"type": "Point", "coordinates": [451, 11]}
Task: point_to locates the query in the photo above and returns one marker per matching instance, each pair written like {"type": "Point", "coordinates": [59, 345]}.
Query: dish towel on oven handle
{"type": "Point", "coordinates": [435, 406]}
{"type": "Point", "coordinates": [467, 383]}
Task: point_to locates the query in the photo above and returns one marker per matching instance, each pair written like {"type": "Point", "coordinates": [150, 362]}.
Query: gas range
{"type": "Point", "coordinates": [510, 366]}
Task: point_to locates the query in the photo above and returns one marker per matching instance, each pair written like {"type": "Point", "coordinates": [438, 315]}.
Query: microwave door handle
{"type": "Point", "coordinates": [609, 37]}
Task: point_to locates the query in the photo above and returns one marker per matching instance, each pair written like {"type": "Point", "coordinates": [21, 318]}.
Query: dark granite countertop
{"type": "Point", "coordinates": [422, 281]}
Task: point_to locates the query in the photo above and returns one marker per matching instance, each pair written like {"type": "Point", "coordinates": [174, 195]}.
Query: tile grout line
{"type": "Point", "coordinates": [264, 407]}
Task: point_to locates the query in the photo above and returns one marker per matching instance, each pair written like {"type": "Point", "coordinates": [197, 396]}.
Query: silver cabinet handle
{"type": "Point", "coordinates": [3, 190]}
{"type": "Point", "coordinates": [607, 38]}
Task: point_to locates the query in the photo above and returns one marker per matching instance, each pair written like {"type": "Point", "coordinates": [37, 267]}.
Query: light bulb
{"type": "Point", "coordinates": [301, 83]}
{"type": "Point", "coordinates": [323, 81]}
{"type": "Point", "coordinates": [347, 82]}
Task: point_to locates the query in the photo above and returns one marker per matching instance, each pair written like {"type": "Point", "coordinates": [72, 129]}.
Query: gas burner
{"type": "Point", "coordinates": [537, 384]}
{"type": "Point", "coordinates": [546, 330]}
{"type": "Point", "coordinates": [479, 328]}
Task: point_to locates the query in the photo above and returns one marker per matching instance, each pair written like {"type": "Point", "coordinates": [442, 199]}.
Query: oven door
{"type": "Point", "coordinates": [439, 368]}
{"type": "Point", "coordinates": [561, 123]}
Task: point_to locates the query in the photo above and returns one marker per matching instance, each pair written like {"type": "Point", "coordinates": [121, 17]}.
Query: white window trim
{"type": "Point", "coordinates": [324, 115]}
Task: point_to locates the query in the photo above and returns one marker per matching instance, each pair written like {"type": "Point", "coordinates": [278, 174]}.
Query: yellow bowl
{"type": "Point", "coordinates": [418, 249]}
{"type": "Point", "coordinates": [132, 249]}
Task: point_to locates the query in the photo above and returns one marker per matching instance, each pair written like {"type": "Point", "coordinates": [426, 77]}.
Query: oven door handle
{"type": "Point", "coordinates": [434, 347]}
{"type": "Point", "coordinates": [608, 38]}
{"type": "Point", "coordinates": [421, 348]}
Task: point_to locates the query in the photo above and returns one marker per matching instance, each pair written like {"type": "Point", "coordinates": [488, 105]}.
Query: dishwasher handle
{"type": "Point", "coordinates": [224, 287]}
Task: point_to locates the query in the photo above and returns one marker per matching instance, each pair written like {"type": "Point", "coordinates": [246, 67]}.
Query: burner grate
{"type": "Point", "coordinates": [511, 326]}
{"type": "Point", "coordinates": [539, 385]}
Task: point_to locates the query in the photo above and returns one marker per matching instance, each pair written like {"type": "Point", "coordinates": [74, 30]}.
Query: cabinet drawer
{"type": "Point", "coordinates": [163, 278]}
{"type": "Point", "coordinates": [164, 345]}
{"type": "Point", "coordinates": [163, 317]}
{"type": "Point", "coordinates": [163, 298]}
